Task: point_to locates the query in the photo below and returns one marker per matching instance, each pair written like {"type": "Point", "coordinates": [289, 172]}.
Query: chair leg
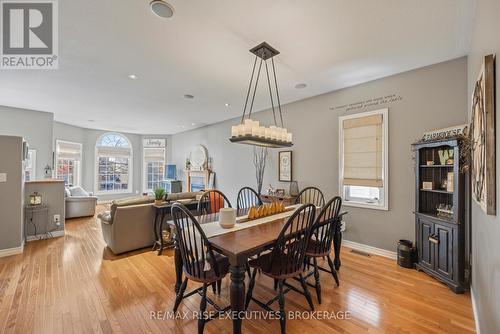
{"type": "Point", "coordinates": [250, 288]}
{"type": "Point", "coordinates": [219, 285]}
{"type": "Point", "coordinates": [203, 307]}
{"type": "Point", "coordinates": [247, 266]}
{"type": "Point", "coordinates": [334, 272]}
{"type": "Point", "coordinates": [275, 284]}
{"type": "Point", "coordinates": [180, 294]}
{"type": "Point", "coordinates": [306, 292]}
{"type": "Point", "coordinates": [281, 300]}
{"type": "Point", "coordinates": [316, 279]}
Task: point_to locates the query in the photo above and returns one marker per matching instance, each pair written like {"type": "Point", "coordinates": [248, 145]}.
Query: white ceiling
{"type": "Point", "coordinates": [203, 50]}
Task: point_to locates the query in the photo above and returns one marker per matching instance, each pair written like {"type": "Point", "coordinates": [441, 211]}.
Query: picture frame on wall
{"type": "Point", "coordinates": [285, 166]}
{"type": "Point", "coordinates": [483, 138]}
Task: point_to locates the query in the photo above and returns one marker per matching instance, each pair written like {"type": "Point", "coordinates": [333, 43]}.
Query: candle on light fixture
{"type": "Point", "coordinates": [248, 126]}
{"type": "Point", "coordinates": [289, 137]}
{"type": "Point", "coordinates": [234, 131]}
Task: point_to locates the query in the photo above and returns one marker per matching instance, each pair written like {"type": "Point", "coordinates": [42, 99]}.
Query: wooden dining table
{"type": "Point", "coordinates": [238, 246]}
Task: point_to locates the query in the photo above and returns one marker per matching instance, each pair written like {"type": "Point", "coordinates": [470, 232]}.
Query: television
{"type": "Point", "coordinates": [170, 172]}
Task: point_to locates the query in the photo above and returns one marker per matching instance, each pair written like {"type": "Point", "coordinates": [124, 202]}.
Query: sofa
{"type": "Point", "coordinates": [79, 203]}
{"type": "Point", "coordinates": [128, 224]}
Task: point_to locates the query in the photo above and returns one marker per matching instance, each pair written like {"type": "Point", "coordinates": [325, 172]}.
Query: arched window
{"type": "Point", "coordinates": [114, 164]}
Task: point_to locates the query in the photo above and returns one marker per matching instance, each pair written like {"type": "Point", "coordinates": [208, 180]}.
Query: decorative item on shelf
{"type": "Point", "coordinates": [159, 195]}
{"type": "Point", "coordinates": [270, 190]}
{"type": "Point", "coordinates": [188, 164]}
{"type": "Point", "coordinates": [285, 166]}
{"type": "Point", "coordinates": [430, 163]}
{"type": "Point", "coordinates": [48, 172]}
{"type": "Point", "coordinates": [250, 132]}
{"type": "Point", "coordinates": [444, 210]}
{"type": "Point", "coordinates": [444, 184]}
{"type": "Point", "coordinates": [450, 185]}
{"type": "Point", "coordinates": [266, 210]}
{"type": "Point", "coordinates": [427, 185]}
{"type": "Point", "coordinates": [483, 138]}
{"type": "Point", "coordinates": [445, 156]}
{"type": "Point", "coordinates": [35, 199]}
{"type": "Point", "coordinates": [166, 235]}
{"type": "Point", "coordinates": [451, 132]}
{"type": "Point", "coordinates": [280, 192]}
{"type": "Point", "coordinates": [294, 188]}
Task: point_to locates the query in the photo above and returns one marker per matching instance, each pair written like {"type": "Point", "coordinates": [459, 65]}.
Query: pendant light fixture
{"type": "Point", "coordinates": [250, 132]}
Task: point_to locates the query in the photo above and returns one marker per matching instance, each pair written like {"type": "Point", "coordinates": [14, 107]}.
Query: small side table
{"type": "Point", "coordinates": [163, 212]}
{"type": "Point", "coordinates": [36, 216]}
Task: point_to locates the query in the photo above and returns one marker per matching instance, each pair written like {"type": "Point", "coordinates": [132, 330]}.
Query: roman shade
{"type": "Point", "coordinates": [154, 154]}
{"type": "Point", "coordinates": [362, 148]}
{"type": "Point", "coordinates": [69, 151]}
{"type": "Point", "coordinates": [109, 151]}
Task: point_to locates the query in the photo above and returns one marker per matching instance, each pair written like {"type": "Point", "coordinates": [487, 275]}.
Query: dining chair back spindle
{"type": "Point", "coordinates": [311, 195]}
{"type": "Point", "coordinates": [247, 198]}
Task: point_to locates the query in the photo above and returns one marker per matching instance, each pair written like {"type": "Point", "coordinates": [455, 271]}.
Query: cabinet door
{"type": "Point", "coordinates": [425, 247]}
{"type": "Point", "coordinates": [443, 257]}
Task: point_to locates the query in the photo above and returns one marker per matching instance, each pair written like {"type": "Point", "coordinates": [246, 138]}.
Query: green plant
{"type": "Point", "coordinates": [159, 193]}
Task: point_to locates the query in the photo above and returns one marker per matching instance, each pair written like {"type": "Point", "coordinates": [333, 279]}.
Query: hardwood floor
{"type": "Point", "coordinates": [74, 284]}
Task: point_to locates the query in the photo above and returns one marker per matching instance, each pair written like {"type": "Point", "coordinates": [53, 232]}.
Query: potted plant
{"type": "Point", "coordinates": [159, 195]}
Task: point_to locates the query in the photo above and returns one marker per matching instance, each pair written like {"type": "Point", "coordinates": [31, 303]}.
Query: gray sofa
{"type": "Point", "coordinates": [128, 224]}
{"type": "Point", "coordinates": [79, 203]}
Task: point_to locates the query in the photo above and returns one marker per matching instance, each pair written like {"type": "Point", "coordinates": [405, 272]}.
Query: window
{"type": "Point", "coordinates": [68, 161]}
{"type": "Point", "coordinates": [154, 163]}
{"type": "Point", "coordinates": [363, 177]}
{"type": "Point", "coordinates": [30, 166]}
{"type": "Point", "coordinates": [113, 164]}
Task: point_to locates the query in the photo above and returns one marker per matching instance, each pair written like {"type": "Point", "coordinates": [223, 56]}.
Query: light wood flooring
{"type": "Point", "coordinates": [74, 284]}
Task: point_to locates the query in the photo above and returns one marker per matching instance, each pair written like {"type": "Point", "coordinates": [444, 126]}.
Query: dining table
{"type": "Point", "coordinates": [238, 245]}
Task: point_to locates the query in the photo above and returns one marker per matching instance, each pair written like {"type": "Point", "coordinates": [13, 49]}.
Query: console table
{"type": "Point", "coordinates": [287, 200]}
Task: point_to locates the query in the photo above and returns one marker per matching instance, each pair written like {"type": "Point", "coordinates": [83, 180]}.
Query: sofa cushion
{"type": "Point", "coordinates": [105, 217]}
{"type": "Point", "coordinates": [78, 191]}
{"type": "Point", "coordinates": [183, 196]}
{"type": "Point", "coordinates": [128, 202]}
{"type": "Point", "coordinates": [67, 193]}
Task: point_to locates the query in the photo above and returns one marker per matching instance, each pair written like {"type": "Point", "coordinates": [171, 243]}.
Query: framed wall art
{"type": "Point", "coordinates": [285, 166]}
{"type": "Point", "coordinates": [483, 138]}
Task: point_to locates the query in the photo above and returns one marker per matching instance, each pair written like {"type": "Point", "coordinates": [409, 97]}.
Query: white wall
{"type": "Point", "coordinates": [433, 97]}
{"type": "Point", "coordinates": [486, 229]}
{"type": "Point", "coordinates": [35, 127]}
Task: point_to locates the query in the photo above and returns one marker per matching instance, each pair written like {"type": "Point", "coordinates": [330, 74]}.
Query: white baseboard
{"type": "Point", "coordinates": [11, 251]}
{"type": "Point", "coordinates": [370, 249]}
{"type": "Point", "coordinates": [55, 234]}
{"type": "Point", "coordinates": [474, 310]}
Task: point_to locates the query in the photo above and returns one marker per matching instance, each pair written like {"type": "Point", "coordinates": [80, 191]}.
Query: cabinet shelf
{"type": "Point", "coordinates": [438, 191]}
{"type": "Point", "coordinates": [436, 166]}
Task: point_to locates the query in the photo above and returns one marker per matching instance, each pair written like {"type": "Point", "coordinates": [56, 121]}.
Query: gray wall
{"type": "Point", "coordinates": [35, 127]}
{"type": "Point", "coordinates": [11, 193]}
{"type": "Point", "coordinates": [88, 139]}
{"type": "Point", "coordinates": [486, 229]}
{"type": "Point", "coordinates": [433, 97]}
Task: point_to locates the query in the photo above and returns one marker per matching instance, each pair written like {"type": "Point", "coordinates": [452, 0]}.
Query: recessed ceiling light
{"type": "Point", "coordinates": [133, 77]}
{"type": "Point", "coordinates": [193, 124]}
{"type": "Point", "coordinates": [161, 9]}
{"type": "Point", "coordinates": [227, 105]}
{"type": "Point", "coordinates": [300, 86]}
{"type": "Point", "coordinates": [188, 96]}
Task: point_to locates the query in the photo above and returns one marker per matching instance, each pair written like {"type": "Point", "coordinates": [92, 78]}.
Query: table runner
{"type": "Point", "coordinates": [213, 229]}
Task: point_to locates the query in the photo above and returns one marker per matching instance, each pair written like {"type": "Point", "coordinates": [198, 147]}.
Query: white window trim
{"type": "Point", "coordinates": [79, 176]}
{"type": "Point", "coordinates": [130, 189]}
{"type": "Point", "coordinates": [384, 112]}
{"type": "Point", "coordinates": [33, 162]}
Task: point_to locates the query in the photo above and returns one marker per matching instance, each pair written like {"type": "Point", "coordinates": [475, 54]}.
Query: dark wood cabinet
{"type": "Point", "coordinates": [440, 207]}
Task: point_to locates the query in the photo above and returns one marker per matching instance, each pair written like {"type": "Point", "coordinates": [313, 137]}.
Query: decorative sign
{"type": "Point", "coordinates": [285, 166]}
{"type": "Point", "coordinates": [153, 143]}
{"type": "Point", "coordinates": [454, 131]}
{"type": "Point", "coordinates": [369, 103]}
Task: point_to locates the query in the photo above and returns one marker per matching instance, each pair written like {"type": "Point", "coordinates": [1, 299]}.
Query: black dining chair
{"type": "Point", "coordinates": [247, 198]}
{"type": "Point", "coordinates": [200, 263]}
{"type": "Point", "coordinates": [320, 243]}
{"type": "Point", "coordinates": [310, 195]}
{"type": "Point", "coordinates": [210, 203]}
{"type": "Point", "coordinates": [286, 260]}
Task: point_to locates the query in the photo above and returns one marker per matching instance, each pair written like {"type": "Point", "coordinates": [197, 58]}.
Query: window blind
{"type": "Point", "coordinates": [109, 151]}
{"type": "Point", "coordinates": [69, 151]}
{"type": "Point", "coordinates": [154, 154]}
{"type": "Point", "coordinates": [362, 148]}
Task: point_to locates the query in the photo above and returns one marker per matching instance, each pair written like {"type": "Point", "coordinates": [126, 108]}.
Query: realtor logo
{"type": "Point", "coordinates": [29, 34]}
